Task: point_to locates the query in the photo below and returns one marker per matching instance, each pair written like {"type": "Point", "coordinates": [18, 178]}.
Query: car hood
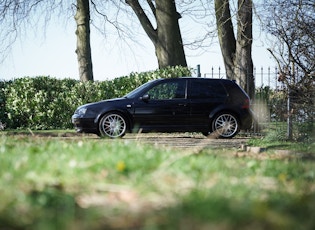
{"type": "Point", "coordinates": [103, 102]}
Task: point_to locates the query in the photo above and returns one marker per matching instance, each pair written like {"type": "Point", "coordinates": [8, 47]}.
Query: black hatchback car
{"type": "Point", "coordinates": [170, 105]}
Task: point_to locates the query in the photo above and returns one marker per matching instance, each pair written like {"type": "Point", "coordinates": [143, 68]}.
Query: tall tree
{"type": "Point", "coordinates": [166, 37]}
{"type": "Point", "coordinates": [82, 18]}
{"type": "Point", "coordinates": [18, 16]}
{"type": "Point", "coordinates": [236, 51]}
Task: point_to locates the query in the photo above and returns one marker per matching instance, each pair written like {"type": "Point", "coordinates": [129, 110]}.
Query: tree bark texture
{"type": "Point", "coordinates": [166, 37]}
{"type": "Point", "coordinates": [243, 64]}
{"type": "Point", "coordinates": [237, 52]}
{"type": "Point", "coordinates": [83, 51]}
{"type": "Point", "coordinates": [226, 35]}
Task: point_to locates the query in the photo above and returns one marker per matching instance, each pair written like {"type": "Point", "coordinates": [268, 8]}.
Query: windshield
{"type": "Point", "coordinates": [137, 90]}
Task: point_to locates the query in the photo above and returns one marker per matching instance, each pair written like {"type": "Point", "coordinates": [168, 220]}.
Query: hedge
{"type": "Point", "coordinates": [45, 102]}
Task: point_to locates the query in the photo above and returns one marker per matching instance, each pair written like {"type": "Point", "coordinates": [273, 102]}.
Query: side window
{"type": "Point", "coordinates": [168, 90]}
{"type": "Point", "coordinates": [206, 89]}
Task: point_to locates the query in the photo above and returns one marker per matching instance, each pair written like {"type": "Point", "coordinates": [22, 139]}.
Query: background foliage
{"type": "Point", "coordinates": [48, 103]}
{"type": "Point", "coordinates": [272, 110]}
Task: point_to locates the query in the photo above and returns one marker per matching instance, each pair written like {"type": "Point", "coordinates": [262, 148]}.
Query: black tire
{"type": "Point", "coordinates": [225, 125]}
{"type": "Point", "coordinates": [112, 125]}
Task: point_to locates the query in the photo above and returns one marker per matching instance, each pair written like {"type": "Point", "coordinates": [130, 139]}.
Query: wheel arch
{"type": "Point", "coordinates": [224, 109]}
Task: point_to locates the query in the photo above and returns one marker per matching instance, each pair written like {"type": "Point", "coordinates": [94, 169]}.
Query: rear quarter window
{"type": "Point", "coordinates": [236, 94]}
{"type": "Point", "coordinates": [202, 89]}
{"type": "Point", "coordinates": [234, 90]}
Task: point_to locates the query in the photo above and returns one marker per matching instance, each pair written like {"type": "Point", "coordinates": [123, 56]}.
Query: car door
{"type": "Point", "coordinates": [204, 95]}
{"type": "Point", "coordinates": [163, 107]}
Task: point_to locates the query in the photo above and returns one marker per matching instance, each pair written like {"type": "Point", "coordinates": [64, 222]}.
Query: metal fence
{"type": "Point", "coordinates": [263, 76]}
{"type": "Point", "coordinates": [280, 113]}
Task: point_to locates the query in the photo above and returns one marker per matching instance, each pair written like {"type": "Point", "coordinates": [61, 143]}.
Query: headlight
{"type": "Point", "coordinates": [81, 111]}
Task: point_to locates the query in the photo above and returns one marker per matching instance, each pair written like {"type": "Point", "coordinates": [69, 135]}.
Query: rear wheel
{"type": "Point", "coordinates": [112, 125]}
{"type": "Point", "coordinates": [225, 125]}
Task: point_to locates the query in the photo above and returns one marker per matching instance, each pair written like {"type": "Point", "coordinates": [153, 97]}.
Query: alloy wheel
{"type": "Point", "coordinates": [226, 125]}
{"type": "Point", "coordinates": [112, 125]}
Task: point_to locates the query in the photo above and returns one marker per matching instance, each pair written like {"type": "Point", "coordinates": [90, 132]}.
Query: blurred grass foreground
{"type": "Point", "coordinates": [82, 183]}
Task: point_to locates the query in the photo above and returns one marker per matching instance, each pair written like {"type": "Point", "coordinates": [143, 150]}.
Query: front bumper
{"type": "Point", "coordinates": [84, 125]}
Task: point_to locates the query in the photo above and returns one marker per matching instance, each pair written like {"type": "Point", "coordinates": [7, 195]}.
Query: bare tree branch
{"type": "Point", "coordinates": [144, 20]}
{"type": "Point", "coordinates": [152, 7]}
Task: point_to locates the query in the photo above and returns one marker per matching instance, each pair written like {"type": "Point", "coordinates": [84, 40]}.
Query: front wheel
{"type": "Point", "coordinates": [225, 125]}
{"type": "Point", "coordinates": [112, 125]}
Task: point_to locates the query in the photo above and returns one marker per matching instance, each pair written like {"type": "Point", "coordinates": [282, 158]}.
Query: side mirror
{"type": "Point", "coordinates": [145, 98]}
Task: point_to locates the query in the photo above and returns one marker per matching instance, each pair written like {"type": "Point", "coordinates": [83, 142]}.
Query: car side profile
{"type": "Point", "coordinates": [184, 104]}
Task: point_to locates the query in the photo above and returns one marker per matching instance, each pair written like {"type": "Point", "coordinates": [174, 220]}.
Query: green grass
{"type": "Point", "coordinates": [81, 183]}
{"type": "Point", "coordinates": [304, 147]}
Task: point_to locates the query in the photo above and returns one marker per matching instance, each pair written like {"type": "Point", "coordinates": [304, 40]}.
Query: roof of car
{"type": "Point", "coordinates": [199, 78]}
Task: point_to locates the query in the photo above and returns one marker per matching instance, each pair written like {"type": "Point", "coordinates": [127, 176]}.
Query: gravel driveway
{"type": "Point", "coordinates": [172, 140]}
{"type": "Point", "coordinates": [187, 140]}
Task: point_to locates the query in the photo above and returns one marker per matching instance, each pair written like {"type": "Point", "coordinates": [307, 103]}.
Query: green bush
{"type": "Point", "coordinates": [39, 103]}
{"type": "Point", "coordinates": [3, 117]}
{"type": "Point", "coordinates": [301, 113]}
{"type": "Point", "coordinates": [48, 103]}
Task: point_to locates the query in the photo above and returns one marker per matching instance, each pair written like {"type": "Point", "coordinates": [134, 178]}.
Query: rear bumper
{"type": "Point", "coordinates": [247, 120]}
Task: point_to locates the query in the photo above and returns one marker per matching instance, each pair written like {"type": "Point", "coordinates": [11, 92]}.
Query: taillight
{"type": "Point", "coordinates": [246, 104]}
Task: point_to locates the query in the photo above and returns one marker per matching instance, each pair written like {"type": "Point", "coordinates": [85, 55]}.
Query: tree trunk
{"type": "Point", "coordinates": [237, 53]}
{"type": "Point", "coordinates": [243, 64]}
{"type": "Point", "coordinates": [82, 18]}
{"type": "Point", "coordinates": [166, 37]}
{"type": "Point", "coordinates": [169, 47]}
{"type": "Point", "coordinates": [226, 35]}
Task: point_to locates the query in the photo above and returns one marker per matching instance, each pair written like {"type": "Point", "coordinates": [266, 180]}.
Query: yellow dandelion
{"type": "Point", "coordinates": [121, 166]}
{"type": "Point", "coordinates": [282, 177]}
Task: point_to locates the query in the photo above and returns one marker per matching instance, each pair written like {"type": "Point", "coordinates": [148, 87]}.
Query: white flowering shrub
{"type": "Point", "coordinates": [2, 126]}
{"type": "Point", "coordinates": [48, 103]}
